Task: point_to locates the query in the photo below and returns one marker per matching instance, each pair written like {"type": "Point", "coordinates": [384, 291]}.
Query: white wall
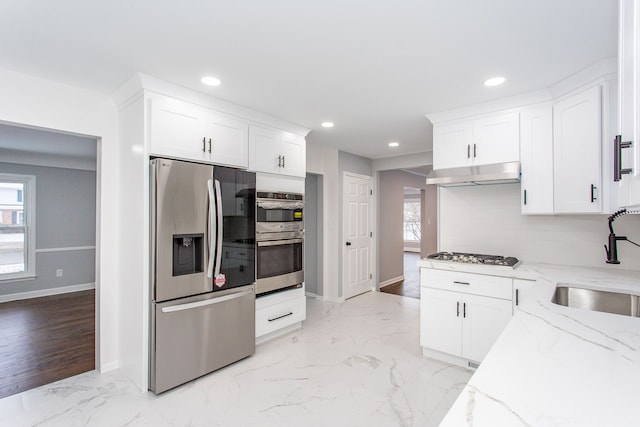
{"type": "Point", "coordinates": [486, 219]}
{"type": "Point", "coordinates": [36, 102]}
{"type": "Point", "coordinates": [323, 160]}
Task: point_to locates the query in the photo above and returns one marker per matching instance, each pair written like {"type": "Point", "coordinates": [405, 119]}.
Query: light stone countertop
{"type": "Point", "coordinates": [554, 365]}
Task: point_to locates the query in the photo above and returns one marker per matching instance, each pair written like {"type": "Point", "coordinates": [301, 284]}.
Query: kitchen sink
{"type": "Point", "coordinates": [590, 299]}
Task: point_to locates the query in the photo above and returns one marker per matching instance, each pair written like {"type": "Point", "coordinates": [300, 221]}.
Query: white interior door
{"type": "Point", "coordinates": [356, 264]}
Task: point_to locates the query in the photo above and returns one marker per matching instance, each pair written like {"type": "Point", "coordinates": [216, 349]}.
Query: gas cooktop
{"type": "Point", "coordinates": [474, 258]}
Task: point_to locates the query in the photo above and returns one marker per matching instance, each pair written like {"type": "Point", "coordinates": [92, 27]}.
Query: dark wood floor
{"type": "Point", "coordinates": [46, 339]}
{"type": "Point", "coordinates": [410, 286]}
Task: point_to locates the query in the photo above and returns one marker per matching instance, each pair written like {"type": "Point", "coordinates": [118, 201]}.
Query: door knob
{"type": "Point", "coordinates": [348, 243]}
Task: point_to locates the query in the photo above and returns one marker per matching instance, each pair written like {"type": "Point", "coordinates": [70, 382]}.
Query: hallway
{"type": "Point", "coordinates": [410, 286]}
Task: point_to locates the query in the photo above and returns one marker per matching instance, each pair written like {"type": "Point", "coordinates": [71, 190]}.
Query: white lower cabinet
{"type": "Point", "coordinates": [279, 313]}
{"type": "Point", "coordinates": [462, 314]}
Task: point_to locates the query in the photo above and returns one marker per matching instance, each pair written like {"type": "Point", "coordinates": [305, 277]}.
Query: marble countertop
{"type": "Point", "coordinates": [554, 365]}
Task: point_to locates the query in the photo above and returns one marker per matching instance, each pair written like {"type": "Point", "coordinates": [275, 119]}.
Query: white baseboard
{"type": "Point", "coordinates": [417, 250]}
{"type": "Point", "coordinates": [107, 367]}
{"type": "Point", "coordinates": [391, 281]}
{"type": "Point", "coordinates": [46, 292]}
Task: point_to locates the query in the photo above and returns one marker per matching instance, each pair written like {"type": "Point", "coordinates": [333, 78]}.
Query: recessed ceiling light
{"type": "Point", "coordinates": [327, 124]}
{"type": "Point", "coordinates": [211, 81]}
{"type": "Point", "coordinates": [394, 144]}
{"type": "Point", "coordinates": [494, 81]}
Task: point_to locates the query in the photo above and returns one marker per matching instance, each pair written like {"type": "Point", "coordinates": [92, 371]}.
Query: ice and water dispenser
{"type": "Point", "coordinates": [187, 254]}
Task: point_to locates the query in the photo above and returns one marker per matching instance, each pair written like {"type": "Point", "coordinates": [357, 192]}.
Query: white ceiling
{"type": "Point", "coordinates": [374, 67]}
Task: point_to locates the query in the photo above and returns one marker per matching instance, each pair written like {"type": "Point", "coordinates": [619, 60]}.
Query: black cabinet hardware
{"type": "Point", "coordinates": [204, 145]}
{"type": "Point", "coordinates": [618, 145]}
{"type": "Point", "coordinates": [593, 193]}
{"type": "Point", "coordinates": [458, 309]}
{"type": "Point", "coordinates": [280, 317]}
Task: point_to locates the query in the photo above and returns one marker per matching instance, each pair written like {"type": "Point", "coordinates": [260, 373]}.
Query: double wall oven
{"type": "Point", "coordinates": [279, 240]}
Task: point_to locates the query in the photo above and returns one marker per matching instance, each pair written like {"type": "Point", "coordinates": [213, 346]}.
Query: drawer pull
{"type": "Point", "coordinates": [280, 317]}
{"type": "Point", "coordinates": [461, 283]}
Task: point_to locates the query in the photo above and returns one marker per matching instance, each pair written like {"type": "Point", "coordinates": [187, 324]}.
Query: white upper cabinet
{"type": "Point", "coordinates": [536, 160]}
{"type": "Point", "coordinates": [278, 152]}
{"type": "Point", "coordinates": [452, 145]}
{"type": "Point", "coordinates": [496, 139]}
{"type": "Point", "coordinates": [629, 104]}
{"type": "Point", "coordinates": [227, 140]}
{"type": "Point", "coordinates": [480, 141]}
{"type": "Point", "coordinates": [577, 153]}
{"type": "Point", "coordinates": [177, 129]}
{"type": "Point", "coordinates": [187, 131]}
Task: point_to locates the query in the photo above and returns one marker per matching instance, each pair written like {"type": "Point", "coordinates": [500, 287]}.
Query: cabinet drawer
{"type": "Point", "coordinates": [277, 316]}
{"type": "Point", "coordinates": [477, 284]}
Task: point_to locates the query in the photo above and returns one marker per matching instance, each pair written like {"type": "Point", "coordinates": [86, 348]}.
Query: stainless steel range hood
{"type": "Point", "coordinates": [500, 173]}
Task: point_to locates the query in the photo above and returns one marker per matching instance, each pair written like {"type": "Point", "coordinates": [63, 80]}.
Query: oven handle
{"type": "Point", "coordinates": [279, 242]}
{"type": "Point", "coordinates": [266, 204]}
{"type": "Point", "coordinates": [211, 229]}
{"type": "Point", "coordinates": [220, 225]}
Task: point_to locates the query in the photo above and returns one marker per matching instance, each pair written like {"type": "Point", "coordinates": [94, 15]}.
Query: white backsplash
{"type": "Point", "coordinates": [487, 219]}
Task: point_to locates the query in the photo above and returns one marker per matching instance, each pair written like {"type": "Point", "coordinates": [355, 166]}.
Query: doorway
{"type": "Point", "coordinates": [47, 311]}
{"type": "Point", "coordinates": [313, 236]}
{"type": "Point", "coordinates": [407, 228]}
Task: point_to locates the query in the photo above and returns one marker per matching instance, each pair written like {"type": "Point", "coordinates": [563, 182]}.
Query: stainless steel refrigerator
{"type": "Point", "coordinates": [202, 270]}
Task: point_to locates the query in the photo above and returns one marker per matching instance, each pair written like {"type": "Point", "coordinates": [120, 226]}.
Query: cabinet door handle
{"type": "Point", "coordinates": [525, 197]}
{"type": "Point", "coordinates": [458, 309]}
{"type": "Point", "coordinates": [283, 161]}
{"type": "Point", "coordinates": [464, 310]}
{"type": "Point", "coordinates": [280, 317]}
{"type": "Point", "coordinates": [474, 151]}
{"type": "Point", "coordinates": [517, 296]}
{"type": "Point", "coordinates": [204, 145]}
{"type": "Point", "coordinates": [468, 151]}
{"type": "Point", "coordinates": [279, 161]}
{"type": "Point", "coordinates": [209, 145]}
{"type": "Point", "coordinates": [618, 145]}
{"type": "Point", "coordinates": [461, 283]}
{"type": "Point", "coordinates": [593, 193]}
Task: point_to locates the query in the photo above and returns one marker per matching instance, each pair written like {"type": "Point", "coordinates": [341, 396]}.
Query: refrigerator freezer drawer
{"type": "Point", "coordinates": [194, 336]}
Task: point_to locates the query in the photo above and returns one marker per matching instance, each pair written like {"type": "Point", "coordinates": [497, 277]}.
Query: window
{"type": "Point", "coordinates": [17, 231]}
{"type": "Point", "coordinates": [412, 232]}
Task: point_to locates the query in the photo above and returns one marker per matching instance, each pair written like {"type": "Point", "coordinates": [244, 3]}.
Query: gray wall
{"type": "Point", "coordinates": [348, 162]}
{"type": "Point", "coordinates": [313, 242]}
{"type": "Point", "coordinates": [65, 217]}
{"type": "Point", "coordinates": [390, 220]}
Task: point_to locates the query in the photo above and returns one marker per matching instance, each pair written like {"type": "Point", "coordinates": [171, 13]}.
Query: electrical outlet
{"type": "Point", "coordinates": [59, 272]}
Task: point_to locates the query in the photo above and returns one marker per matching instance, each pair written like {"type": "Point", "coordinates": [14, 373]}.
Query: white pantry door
{"type": "Point", "coordinates": [356, 264]}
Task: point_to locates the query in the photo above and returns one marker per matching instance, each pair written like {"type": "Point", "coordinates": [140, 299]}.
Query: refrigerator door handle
{"type": "Point", "coordinates": [211, 301]}
{"type": "Point", "coordinates": [219, 228]}
{"type": "Point", "coordinates": [211, 229]}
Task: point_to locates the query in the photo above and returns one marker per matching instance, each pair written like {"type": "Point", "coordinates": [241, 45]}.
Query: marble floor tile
{"type": "Point", "coordinates": [358, 363]}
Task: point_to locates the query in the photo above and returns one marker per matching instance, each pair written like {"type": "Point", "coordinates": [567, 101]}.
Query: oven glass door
{"type": "Point", "coordinates": [279, 257]}
{"type": "Point", "coordinates": [279, 215]}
